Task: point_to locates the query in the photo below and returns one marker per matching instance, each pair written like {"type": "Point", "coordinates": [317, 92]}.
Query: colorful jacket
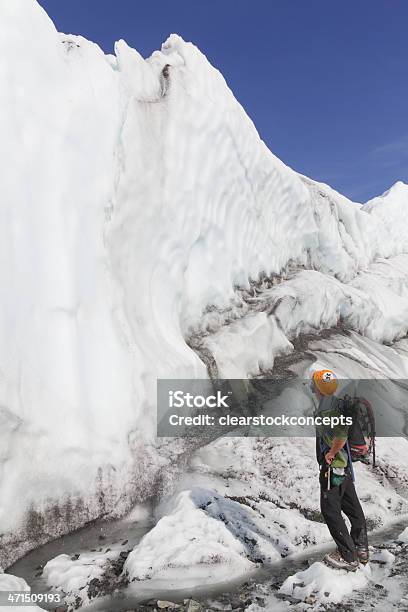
{"type": "Point", "coordinates": [331, 406]}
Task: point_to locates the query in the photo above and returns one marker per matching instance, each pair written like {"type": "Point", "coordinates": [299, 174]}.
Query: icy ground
{"type": "Point", "coordinates": [240, 505]}
{"type": "Point", "coordinates": [300, 583]}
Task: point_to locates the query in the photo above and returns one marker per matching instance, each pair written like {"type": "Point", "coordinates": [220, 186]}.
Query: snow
{"type": "Point", "coordinates": [180, 536]}
{"type": "Point", "coordinates": [70, 575]}
{"type": "Point", "coordinates": [386, 210]}
{"type": "Point", "coordinates": [139, 204]}
{"type": "Point", "coordinates": [245, 347]}
{"type": "Point", "coordinates": [324, 583]}
{"type": "Point", "coordinates": [266, 490]}
{"type": "Point", "coordinates": [374, 303]}
{"type": "Point", "coordinates": [15, 584]}
{"type": "Point", "coordinates": [403, 537]}
{"type": "Point", "coordinates": [319, 584]}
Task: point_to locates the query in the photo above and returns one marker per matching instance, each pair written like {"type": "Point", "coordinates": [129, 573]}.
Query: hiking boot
{"type": "Point", "coordinates": [335, 560]}
{"type": "Point", "coordinates": [363, 555]}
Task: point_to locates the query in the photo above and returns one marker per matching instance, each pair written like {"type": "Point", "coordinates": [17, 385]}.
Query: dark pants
{"type": "Point", "coordinates": [343, 498]}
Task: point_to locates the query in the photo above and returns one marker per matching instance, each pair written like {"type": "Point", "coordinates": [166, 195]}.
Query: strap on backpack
{"type": "Point", "coordinates": [350, 462]}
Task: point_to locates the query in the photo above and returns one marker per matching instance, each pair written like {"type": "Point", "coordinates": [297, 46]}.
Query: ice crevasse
{"type": "Point", "coordinates": [136, 194]}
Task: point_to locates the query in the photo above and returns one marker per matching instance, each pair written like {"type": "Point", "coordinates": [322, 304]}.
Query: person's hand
{"type": "Point", "coordinates": [329, 457]}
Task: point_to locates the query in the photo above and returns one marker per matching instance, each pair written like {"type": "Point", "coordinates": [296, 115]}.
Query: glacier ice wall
{"type": "Point", "coordinates": [135, 194]}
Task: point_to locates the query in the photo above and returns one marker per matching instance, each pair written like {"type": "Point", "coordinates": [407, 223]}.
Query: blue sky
{"type": "Point", "coordinates": [325, 81]}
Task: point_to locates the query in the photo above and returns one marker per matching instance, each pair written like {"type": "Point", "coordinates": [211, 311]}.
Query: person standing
{"type": "Point", "coordinates": [337, 491]}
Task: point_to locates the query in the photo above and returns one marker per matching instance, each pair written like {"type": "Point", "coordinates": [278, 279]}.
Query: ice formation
{"type": "Point", "coordinates": [139, 204]}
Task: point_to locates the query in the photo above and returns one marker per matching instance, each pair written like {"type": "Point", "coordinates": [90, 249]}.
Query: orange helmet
{"type": "Point", "coordinates": [325, 381]}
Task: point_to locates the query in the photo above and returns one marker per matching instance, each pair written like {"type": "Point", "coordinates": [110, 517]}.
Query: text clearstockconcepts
{"type": "Point", "coordinates": [180, 399]}
{"type": "Point", "coordinates": [258, 421]}
{"type": "Point", "coordinates": [270, 407]}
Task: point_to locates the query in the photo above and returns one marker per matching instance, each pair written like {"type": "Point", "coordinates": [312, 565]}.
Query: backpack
{"type": "Point", "coordinates": [361, 437]}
